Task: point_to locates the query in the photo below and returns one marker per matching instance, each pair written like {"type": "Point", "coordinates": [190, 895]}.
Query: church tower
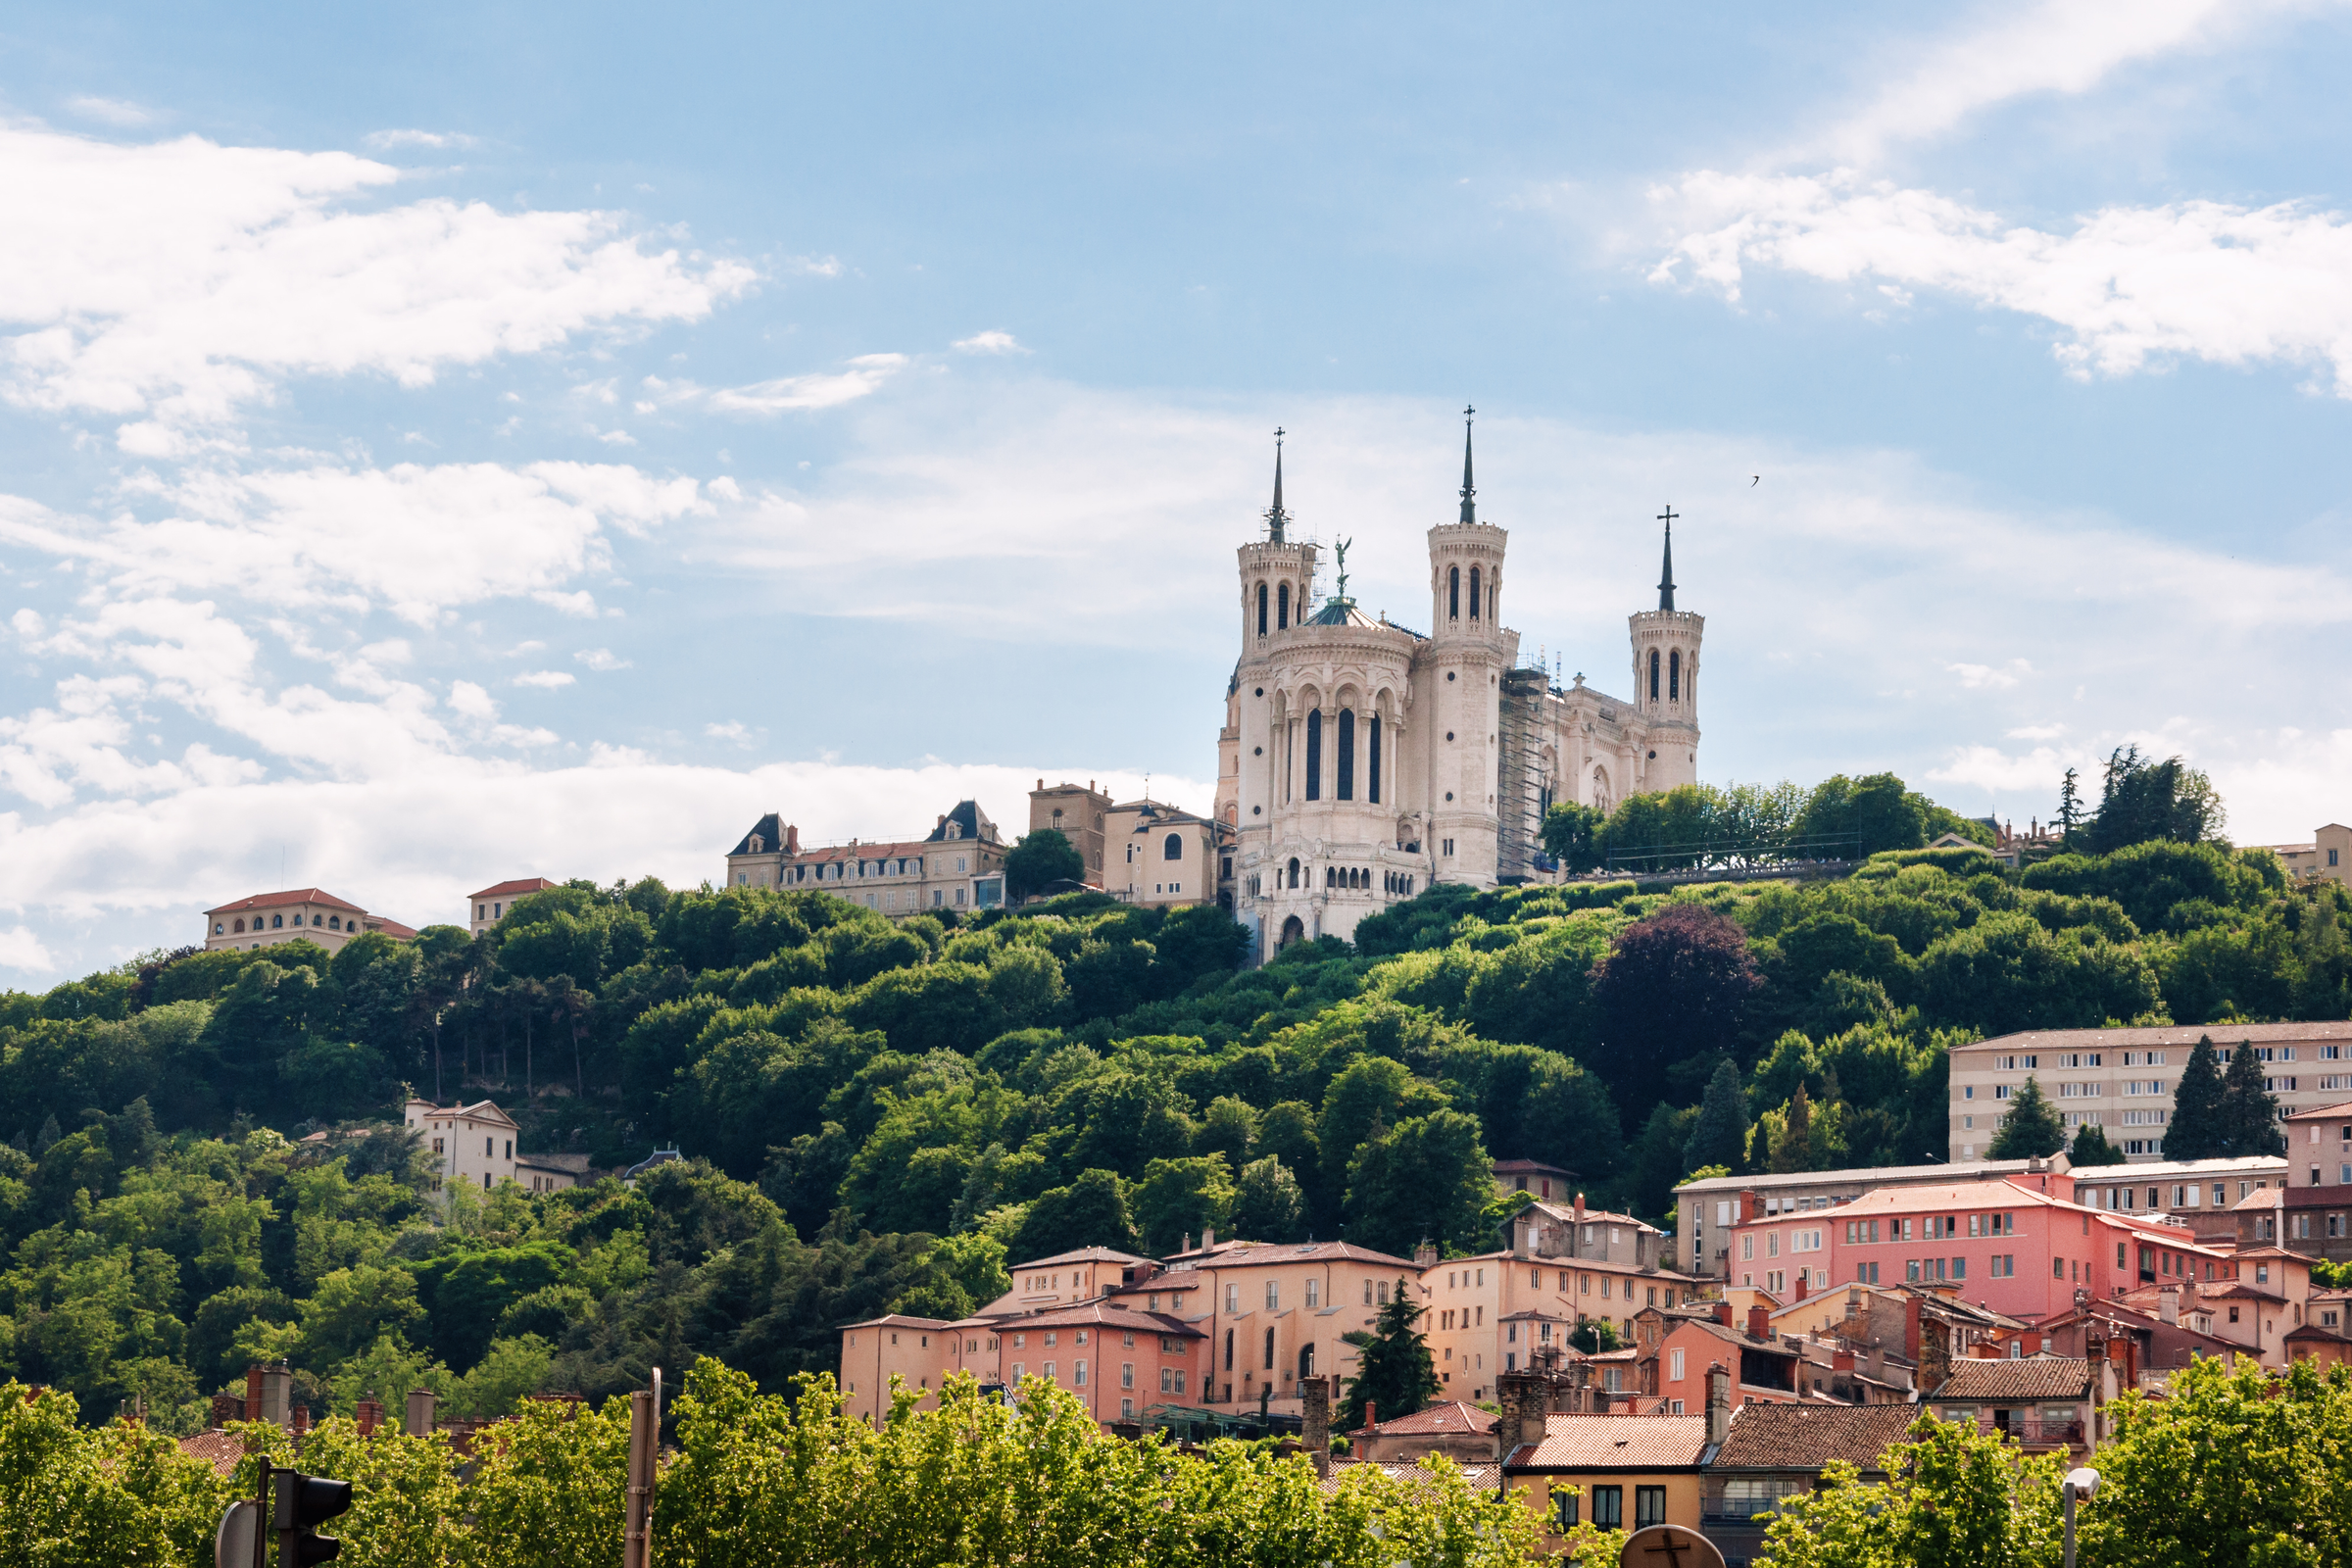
{"type": "Point", "coordinates": [1463, 667]}
{"type": "Point", "coordinates": [1665, 643]}
{"type": "Point", "coordinates": [1276, 574]}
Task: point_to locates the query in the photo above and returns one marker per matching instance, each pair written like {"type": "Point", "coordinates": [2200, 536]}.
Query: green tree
{"type": "Point", "coordinates": [1719, 1135]}
{"type": "Point", "coordinates": [2249, 1111]}
{"type": "Point", "coordinates": [1954, 1498]}
{"type": "Point", "coordinates": [1394, 1369]}
{"type": "Point", "coordinates": [1092, 1212]}
{"type": "Point", "coordinates": [2141, 799]}
{"type": "Point", "coordinates": [2196, 1129]}
{"type": "Point", "coordinates": [1427, 1179]}
{"type": "Point", "coordinates": [2091, 1148]}
{"type": "Point", "coordinates": [1268, 1204]}
{"type": "Point", "coordinates": [1039, 859]}
{"type": "Point", "coordinates": [1180, 1198]}
{"type": "Point", "coordinates": [2031, 1127]}
{"type": "Point", "coordinates": [1572, 836]}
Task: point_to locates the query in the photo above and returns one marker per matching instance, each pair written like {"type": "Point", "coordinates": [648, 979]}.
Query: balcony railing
{"type": "Point", "coordinates": [1723, 1511]}
{"type": "Point", "coordinates": [2034, 1430]}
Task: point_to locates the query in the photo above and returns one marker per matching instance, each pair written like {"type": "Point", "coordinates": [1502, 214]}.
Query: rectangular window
{"type": "Point", "coordinates": [1675, 1361]}
{"type": "Point", "coordinates": [1167, 1379]}
{"type": "Point", "coordinates": [1078, 1374]}
{"type": "Point", "coordinates": [1608, 1507]}
{"type": "Point", "coordinates": [1273, 1295]}
{"type": "Point", "coordinates": [1233, 1300]}
{"type": "Point", "coordinates": [1564, 1500]}
{"type": "Point", "coordinates": [1314, 1295]}
{"type": "Point", "coordinates": [1126, 1374]}
{"type": "Point", "coordinates": [1650, 1507]}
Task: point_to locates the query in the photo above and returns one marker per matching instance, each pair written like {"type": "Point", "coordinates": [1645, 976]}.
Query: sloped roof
{"type": "Point", "coordinates": [1082, 1254]}
{"type": "Point", "coordinates": [1807, 1437]}
{"type": "Point", "coordinates": [898, 1320]}
{"type": "Point", "coordinates": [220, 1449]}
{"type": "Point", "coordinates": [1453, 1417]}
{"type": "Point", "coordinates": [1266, 1254]}
{"type": "Point", "coordinates": [1614, 1442]}
{"type": "Point", "coordinates": [265, 901]}
{"type": "Point", "coordinates": [518, 886]}
{"type": "Point", "coordinates": [968, 817]}
{"type": "Point", "coordinates": [1098, 1313]}
{"type": "Point", "coordinates": [2018, 1380]}
{"type": "Point", "coordinates": [770, 829]}
{"type": "Point", "coordinates": [391, 928]}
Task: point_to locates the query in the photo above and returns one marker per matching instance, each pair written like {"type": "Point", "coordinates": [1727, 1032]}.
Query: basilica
{"type": "Point", "coordinates": [1362, 761]}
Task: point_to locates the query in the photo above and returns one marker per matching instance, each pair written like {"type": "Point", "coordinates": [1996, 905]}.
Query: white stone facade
{"type": "Point", "coordinates": [1361, 761]}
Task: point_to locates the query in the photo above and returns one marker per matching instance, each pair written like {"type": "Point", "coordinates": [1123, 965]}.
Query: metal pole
{"type": "Point", "coordinates": [2069, 1491]}
{"type": "Point", "coordinates": [645, 1430]}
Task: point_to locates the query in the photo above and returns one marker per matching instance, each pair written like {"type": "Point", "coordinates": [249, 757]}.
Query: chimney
{"type": "Point", "coordinates": [1425, 1255]}
{"type": "Point", "coordinates": [1750, 1207]}
{"type": "Point", "coordinates": [368, 1415]}
{"type": "Point", "coordinates": [1719, 1402]}
{"type": "Point", "coordinates": [1803, 1275]}
{"type": "Point", "coordinates": [1314, 1422]}
{"type": "Point", "coordinates": [227, 1408]}
{"type": "Point", "coordinates": [1208, 1237]}
{"type": "Point", "coordinates": [1187, 1243]}
{"type": "Point", "coordinates": [253, 1392]}
{"type": "Point", "coordinates": [1522, 1229]}
{"type": "Point", "coordinates": [792, 839]}
{"type": "Point", "coordinates": [1911, 1329]}
{"type": "Point", "coordinates": [1371, 1414]}
{"type": "Point", "coordinates": [302, 1420]}
{"type": "Point", "coordinates": [1842, 1360]}
{"type": "Point", "coordinates": [2168, 1303]}
{"type": "Point", "coordinates": [1040, 783]}
{"type": "Point", "coordinates": [1580, 1209]}
{"type": "Point", "coordinates": [419, 1413]}
{"type": "Point", "coordinates": [1759, 1322]}
{"type": "Point", "coordinates": [1723, 1313]}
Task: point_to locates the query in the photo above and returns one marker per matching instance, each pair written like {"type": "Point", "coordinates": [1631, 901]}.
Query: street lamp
{"type": "Point", "coordinates": [2085, 1484]}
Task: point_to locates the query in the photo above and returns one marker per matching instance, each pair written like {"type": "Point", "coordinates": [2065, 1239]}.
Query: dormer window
{"type": "Point", "coordinates": [759, 845]}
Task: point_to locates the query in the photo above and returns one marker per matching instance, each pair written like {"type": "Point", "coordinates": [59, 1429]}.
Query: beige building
{"type": "Point", "coordinates": [1077, 815]}
{"type": "Point", "coordinates": [2122, 1080]}
{"type": "Point", "coordinates": [475, 1145]}
{"type": "Point", "coordinates": [2329, 856]}
{"type": "Point", "coordinates": [491, 903]}
{"type": "Point", "coordinates": [1706, 1211]}
{"type": "Point", "coordinates": [958, 867]}
{"type": "Point", "coordinates": [1361, 761]}
{"type": "Point", "coordinates": [301, 914]}
{"type": "Point", "coordinates": [1165, 856]}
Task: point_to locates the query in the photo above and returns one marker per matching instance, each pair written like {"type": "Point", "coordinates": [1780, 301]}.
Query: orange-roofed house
{"type": "Point", "coordinates": [491, 903]}
{"type": "Point", "coordinates": [298, 914]}
{"type": "Point", "coordinates": [1463, 1432]}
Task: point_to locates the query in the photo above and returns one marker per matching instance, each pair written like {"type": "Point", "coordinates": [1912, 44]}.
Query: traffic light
{"type": "Point", "coordinates": [304, 1502]}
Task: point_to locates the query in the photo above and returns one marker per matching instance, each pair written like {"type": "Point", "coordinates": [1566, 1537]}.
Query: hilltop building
{"type": "Point", "coordinates": [300, 914]}
{"type": "Point", "coordinates": [959, 864]}
{"type": "Point", "coordinates": [491, 903]}
{"type": "Point", "coordinates": [1361, 761]}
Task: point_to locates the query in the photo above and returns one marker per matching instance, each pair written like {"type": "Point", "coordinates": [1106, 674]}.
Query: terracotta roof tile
{"type": "Point", "coordinates": [1806, 1437]}
{"type": "Point", "coordinates": [1615, 1441]}
{"type": "Point", "coordinates": [518, 886]}
{"type": "Point", "coordinates": [220, 1449]}
{"type": "Point", "coordinates": [291, 896]}
{"type": "Point", "coordinates": [2021, 1379]}
{"type": "Point", "coordinates": [1452, 1416]}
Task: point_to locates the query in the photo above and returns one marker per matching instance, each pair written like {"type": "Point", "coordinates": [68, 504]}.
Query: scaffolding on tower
{"type": "Point", "coordinates": [1520, 785]}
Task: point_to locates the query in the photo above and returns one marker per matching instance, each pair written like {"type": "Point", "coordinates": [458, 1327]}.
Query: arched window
{"type": "Point", "coordinates": [277, 920]}
{"type": "Point", "coordinates": [1261, 609]}
{"type": "Point", "coordinates": [1347, 789]}
{"type": "Point", "coordinates": [1315, 755]}
{"type": "Point", "coordinates": [1372, 763]}
{"type": "Point", "coordinates": [1654, 675]}
{"type": "Point", "coordinates": [1673, 676]}
{"type": "Point", "coordinates": [238, 926]}
{"type": "Point", "coordinates": [1281, 608]}
{"type": "Point", "coordinates": [1171, 848]}
{"type": "Point", "coordinates": [1269, 1366]}
{"type": "Point", "coordinates": [1292, 931]}
{"type": "Point", "coordinates": [1473, 593]}
{"type": "Point", "coordinates": [1330, 877]}
{"type": "Point", "coordinates": [1454, 593]}
{"type": "Point", "coordinates": [1293, 870]}
{"type": "Point", "coordinates": [1307, 1360]}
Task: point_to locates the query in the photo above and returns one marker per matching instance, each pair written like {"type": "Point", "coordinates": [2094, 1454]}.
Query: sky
{"type": "Point", "coordinates": [445, 443]}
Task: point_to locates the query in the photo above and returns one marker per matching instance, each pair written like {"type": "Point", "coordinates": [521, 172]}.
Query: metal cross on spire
{"type": "Point", "coordinates": [1469, 490]}
{"type": "Point", "coordinates": [1666, 570]}
{"type": "Point", "coordinates": [1277, 520]}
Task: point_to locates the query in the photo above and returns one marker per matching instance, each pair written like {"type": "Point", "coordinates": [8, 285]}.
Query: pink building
{"type": "Point", "coordinates": [2008, 1244]}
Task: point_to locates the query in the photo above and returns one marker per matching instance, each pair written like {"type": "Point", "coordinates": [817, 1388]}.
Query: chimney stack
{"type": "Point", "coordinates": [1842, 1360]}
{"type": "Point", "coordinates": [278, 1388]}
{"type": "Point", "coordinates": [1580, 1209]}
{"type": "Point", "coordinates": [302, 1420]}
{"type": "Point", "coordinates": [1314, 1422]}
{"type": "Point", "coordinates": [1759, 1322]}
{"type": "Point", "coordinates": [419, 1413]}
{"type": "Point", "coordinates": [1208, 1237]}
{"type": "Point", "coordinates": [1719, 1402]}
{"type": "Point", "coordinates": [1187, 1243]}
{"type": "Point", "coordinates": [2168, 1303]}
{"type": "Point", "coordinates": [1371, 1414]}
{"type": "Point", "coordinates": [1723, 1313]}
{"type": "Point", "coordinates": [253, 1394]}
{"type": "Point", "coordinates": [1425, 1255]}
{"type": "Point", "coordinates": [1802, 1276]}
{"type": "Point", "coordinates": [368, 1415]}
{"type": "Point", "coordinates": [1911, 1329]}
{"type": "Point", "coordinates": [227, 1408]}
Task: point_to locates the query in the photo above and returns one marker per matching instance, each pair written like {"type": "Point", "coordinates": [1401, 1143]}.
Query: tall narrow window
{"type": "Point", "coordinates": [1281, 608]}
{"type": "Point", "coordinates": [1347, 789]}
{"type": "Point", "coordinates": [1654, 675]}
{"type": "Point", "coordinates": [1315, 755]}
{"type": "Point", "coordinates": [1372, 763]}
{"type": "Point", "coordinates": [1473, 593]}
{"type": "Point", "coordinates": [1673, 676]}
{"type": "Point", "coordinates": [1261, 609]}
{"type": "Point", "coordinates": [1269, 1366]}
{"type": "Point", "coordinates": [1454, 593]}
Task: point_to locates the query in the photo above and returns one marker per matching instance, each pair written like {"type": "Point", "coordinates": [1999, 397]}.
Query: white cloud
{"type": "Point", "coordinates": [2132, 286]}
{"type": "Point", "coordinates": [822, 389]}
{"type": "Point", "coordinates": [112, 112]}
{"type": "Point", "coordinates": [178, 281]}
{"type": "Point", "coordinates": [1978, 678]}
{"type": "Point", "coordinates": [416, 539]}
{"type": "Point", "coordinates": [2036, 732]}
{"type": "Point", "coordinates": [601, 659]}
{"type": "Point", "coordinates": [989, 342]}
{"type": "Point", "coordinates": [2056, 46]}
{"type": "Point", "coordinates": [549, 679]}
{"type": "Point", "coordinates": [437, 139]}
{"type": "Point", "coordinates": [19, 949]}
{"type": "Point", "coordinates": [725, 732]}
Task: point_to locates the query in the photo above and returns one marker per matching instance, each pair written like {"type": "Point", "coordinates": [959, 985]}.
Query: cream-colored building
{"type": "Point", "coordinates": [1165, 856]}
{"type": "Point", "coordinates": [300, 914]}
{"type": "Point", "coordinates": [475, 1145]}
{"type": "Point", "coordinates": [958, 867]}
{"type": "Point", "coordinates": [1362, 761]}
{"type": "Point", "coordinates": [2122, 1080]}
{"type": "Point", "coordinates": [1079, 814]}
{"type": "Point", "coordinates": [2329, 856]}
{"type": "Point", "coordinates": [491, 903]}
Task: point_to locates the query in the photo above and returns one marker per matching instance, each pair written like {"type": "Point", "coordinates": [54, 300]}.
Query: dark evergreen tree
{"type": "Point", "coordinates": [2249, 1112]}
{"type": "Point", "coordinates": [2195, 1130]}
{"type": "Point", "coordinates": [1393, 1370]}
{"type": "Point", "coordinates": [2070, 807]}
{"type": "Point", "coordinates": [1721, 1136]}
{"type": "Point", "coordinates": [1037, 859]}
{"type": "Point", "coordinates": [2031, 1128]}
{"type": "Point", "coordinates": [2091, 1148]}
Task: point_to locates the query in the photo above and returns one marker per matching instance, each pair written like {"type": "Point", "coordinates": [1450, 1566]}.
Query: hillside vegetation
{"type": "Point", "coordinates": [879, 1116]}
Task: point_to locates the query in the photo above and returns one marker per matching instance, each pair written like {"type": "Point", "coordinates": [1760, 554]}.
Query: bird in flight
{"type": "Point", "coordinates": [1757, 481]}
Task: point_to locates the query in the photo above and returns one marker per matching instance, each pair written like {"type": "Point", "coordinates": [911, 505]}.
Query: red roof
{"type": "Point", "coordinates": [291, 896]}
{"type": "Point", "coordinates": [1614, 1442]}
{"type": "Point", "coordinates": [521, 885]}
{"type": "Point", "coordinates": [1452, 1416]}
{"type": "Point", "coordinates": [391, 928]}
{"type": "Point", "coordinates": [220, 1449]}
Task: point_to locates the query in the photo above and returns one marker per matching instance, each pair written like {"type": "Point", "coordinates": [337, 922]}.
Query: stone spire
{"type": "Point", "coordinates": [1469, 490]}
{"type": "Point", "coordinates": [1666, 570]}
{"type": "Point", "coordinates": [1277, 520]}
